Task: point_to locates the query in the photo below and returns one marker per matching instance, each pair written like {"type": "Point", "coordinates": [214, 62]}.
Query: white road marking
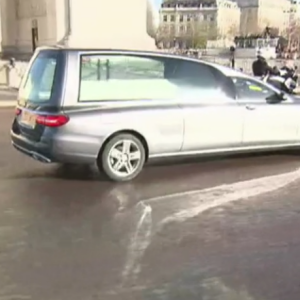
{"type": "Point", "coordinates": [140, 241]}
{"type": "Point", "coordinates": [200, 201]}
{"type": "Point", "coordinates": [186, 205]}
{"type": "Point", "coordinates": [214, 288]}
{"type": "Point", "coordinates": [122, 198]}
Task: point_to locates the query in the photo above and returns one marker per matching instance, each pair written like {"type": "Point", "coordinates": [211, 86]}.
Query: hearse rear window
{"type": "Point", "coordinates": [39, 83]}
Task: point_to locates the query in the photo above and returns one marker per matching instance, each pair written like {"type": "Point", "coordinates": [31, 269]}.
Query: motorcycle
{"type": "Point", "coordinates": [286, 79]}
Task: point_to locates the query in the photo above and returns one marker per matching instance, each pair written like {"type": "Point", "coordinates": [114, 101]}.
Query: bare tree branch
{"type": "Point", "coordinates": [198, 33]}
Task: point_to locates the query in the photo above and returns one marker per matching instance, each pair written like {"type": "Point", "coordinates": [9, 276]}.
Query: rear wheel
{"type": "Point", "coordinates": [122, 158]}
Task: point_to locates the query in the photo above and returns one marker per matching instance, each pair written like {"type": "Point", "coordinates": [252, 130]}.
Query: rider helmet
{"type": "Point", "coordinates": [259, 55]}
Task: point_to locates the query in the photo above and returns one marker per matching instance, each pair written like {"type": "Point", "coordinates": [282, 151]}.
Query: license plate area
{"type": "Point", "coordinates": [28, 118]}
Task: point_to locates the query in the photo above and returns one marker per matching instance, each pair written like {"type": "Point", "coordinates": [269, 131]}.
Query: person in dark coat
{"type": "Point", "coordinates": [260, 67]}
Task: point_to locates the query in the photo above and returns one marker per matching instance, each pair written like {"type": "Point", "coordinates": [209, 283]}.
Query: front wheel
{"type": "Point", "coordinates": [122, 158]}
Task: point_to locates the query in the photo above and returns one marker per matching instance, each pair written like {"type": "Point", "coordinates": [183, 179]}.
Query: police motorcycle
{"type": "Point", "coordinates": [285, 79]}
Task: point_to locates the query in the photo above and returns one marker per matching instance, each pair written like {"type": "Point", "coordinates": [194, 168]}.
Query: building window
{"type": "Point", "coordinates": [181, 18]}
{"type": "Point", "coordinates": [165, 18]}
{"type": "Point", "coordinates": [172, 18]}
{"type": "Point", "coordinates": [181, 28]}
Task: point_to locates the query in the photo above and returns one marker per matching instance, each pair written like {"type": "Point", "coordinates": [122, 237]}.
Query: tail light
{"type": "Point", "coordinates": [18, 111]}
{"type": "Point", "coordinates": [52, 121]}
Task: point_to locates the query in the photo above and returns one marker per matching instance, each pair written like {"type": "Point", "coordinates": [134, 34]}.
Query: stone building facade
{"type": "Point", "coordinates": [256, 15]}
{"type": "Point", "coordinates": [76, 23]}
{"type": "Point", "coordinates": [222, 16]}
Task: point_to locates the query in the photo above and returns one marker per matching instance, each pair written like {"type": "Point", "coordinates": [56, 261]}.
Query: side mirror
{"type": "Point", "coordinates": [276, 98]}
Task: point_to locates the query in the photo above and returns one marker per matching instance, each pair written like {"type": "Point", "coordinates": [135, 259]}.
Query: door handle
{"type": "Point", "coordinates": [250, 107]}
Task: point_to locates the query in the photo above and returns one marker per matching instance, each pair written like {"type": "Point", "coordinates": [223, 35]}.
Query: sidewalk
{"type": "Point", "coordinates": [8, 96]}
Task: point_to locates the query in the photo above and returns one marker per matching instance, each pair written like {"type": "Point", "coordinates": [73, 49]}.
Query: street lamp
{"type": "Point", "coordinates": [232, 56]}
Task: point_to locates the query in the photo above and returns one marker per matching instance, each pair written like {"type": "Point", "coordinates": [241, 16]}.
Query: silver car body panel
{"type": "Point", "coordinates": [266, 124]}
{"type": "Point", "coordinates": [170, 128]}
{"type": "Point", "coordinates": [213, 124]}
{"type": "Point", "coordinates": [163, 136]}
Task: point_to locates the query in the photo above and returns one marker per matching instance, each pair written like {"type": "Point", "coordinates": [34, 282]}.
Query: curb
{"type": "Point", "coordinates": [8, 103]}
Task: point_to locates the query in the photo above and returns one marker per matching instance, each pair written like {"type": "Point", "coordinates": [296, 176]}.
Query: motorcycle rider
{"type": "Point", "coordinates": [261, 68]}
{"type": "Point", "coordinates": [290, 70]}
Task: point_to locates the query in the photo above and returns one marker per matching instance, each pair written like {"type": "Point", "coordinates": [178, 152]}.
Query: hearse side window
{"type": "Point", "coordinates": [129, 77]}
{"type": "Point", "coordinates": [190, 74]}
{"type": "Point", "coordinates": [248, 89]}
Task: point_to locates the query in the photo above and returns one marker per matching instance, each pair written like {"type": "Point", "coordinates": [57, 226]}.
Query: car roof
{"type": "Point", "coordinates": [231, 72]}
{"type": "Point", "coordinates": [225, 70]}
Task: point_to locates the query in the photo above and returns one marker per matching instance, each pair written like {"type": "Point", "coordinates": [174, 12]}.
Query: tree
{"type": "Point", "coordinates": [233, 30]}
{"type": "Point", "coordinates": [197, 34]}
{"type": "Point", "coordinates": [293, 34]}
{"type": "Point", "coordinates": [165, 35]}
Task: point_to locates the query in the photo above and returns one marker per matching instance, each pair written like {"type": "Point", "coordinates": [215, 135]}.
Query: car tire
{"type": "Point", "coordinates": [114, 161]}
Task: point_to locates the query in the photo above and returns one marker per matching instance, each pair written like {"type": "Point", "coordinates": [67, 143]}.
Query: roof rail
{"type": "Point", "coordinates": [51, 47]}
{"type": "Point", "coordinates": [59, 46]}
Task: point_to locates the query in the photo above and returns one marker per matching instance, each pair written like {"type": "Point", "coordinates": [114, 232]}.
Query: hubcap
{"type": "Point", "coordinates": [124, 158]}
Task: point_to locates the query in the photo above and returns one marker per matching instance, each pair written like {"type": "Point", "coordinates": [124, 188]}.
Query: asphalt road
{"type": "Point", "coordinates": [69, 235]}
